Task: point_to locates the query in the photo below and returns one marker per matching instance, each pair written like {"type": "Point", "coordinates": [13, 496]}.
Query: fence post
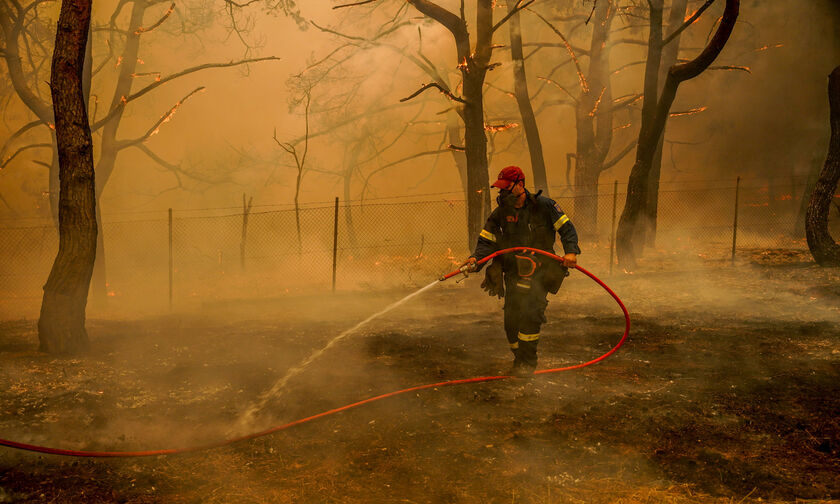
{"type": "Point", "coordinates": [246, 209]}
{"type": "Point", "coordinates": [335, 243]}
{"type": "Point", "coordinates": [612, 229]}
{"type": "Point", "coordinates": [171, 260]}
{"type": "Point", "coordinates": [735, 223]}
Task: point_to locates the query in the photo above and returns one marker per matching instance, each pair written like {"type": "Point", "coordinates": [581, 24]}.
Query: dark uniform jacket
{"type": "Point", "coordinates": [533, 225]}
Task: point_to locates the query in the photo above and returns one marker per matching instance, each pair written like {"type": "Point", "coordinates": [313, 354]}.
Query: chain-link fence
{"type": "Point", "coordinates": [272, 253]}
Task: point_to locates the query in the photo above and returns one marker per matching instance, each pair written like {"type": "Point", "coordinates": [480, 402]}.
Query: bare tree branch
{"type": "Point", "coordinates": [440, 88]}
{"type": "Point", "coordinates": [23, 129]}
{"type": "Point", "coordinates": [621, 154]}
{"type": "Point", "coordinates": [22, 149]}
{"type": "Point", "coordinates": [363, 2]}
{"type": "Point", "coordinates": [519, 6]}
{"type": "Point", "coordinates": [731, 67]}
{"type": "Point", "coordinates": [156, 127]}
{"type": "Point", "coordinates": [394, 163]}
{"type": "Point", "coordinates": [583, 84]}
{"type": "Point", "coordinates": [688, 22]}
{"type": "Point", "coordinates": [98, 124]}
{"type": "Point", "coordinates": [159, 21]}
{"type": "Point", "coordinates": [164, 163]}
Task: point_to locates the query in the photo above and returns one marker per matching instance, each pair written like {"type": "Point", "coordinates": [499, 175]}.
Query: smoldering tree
{"type": "Point", "coordinates": [473, 61]}
{"type": "Point", "coordinates": [61, 325]}
{"type": "Point", "coordinates": [655, 111]}
{"type": "Point", "coordinates": [825, 250]}
{"type": "Point", "coordinates": [669, 56]}
{"type": "Point", "coordinates": [594, 108]}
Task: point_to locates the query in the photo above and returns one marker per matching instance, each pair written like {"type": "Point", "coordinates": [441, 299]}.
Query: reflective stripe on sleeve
{"type": "Point", "coordinates": [559, 222]}
{"type": "Point", "coordinates": [487, 235]}
{"type": "Point", "coordinates": [529, 337]}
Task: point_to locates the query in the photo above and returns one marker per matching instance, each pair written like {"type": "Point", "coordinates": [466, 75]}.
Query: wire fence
{"type": "Point", "coordinates": [265, 253]}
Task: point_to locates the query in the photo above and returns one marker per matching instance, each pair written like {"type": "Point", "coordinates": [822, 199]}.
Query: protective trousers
{"type": "Point", "coordinates": [525, 303]}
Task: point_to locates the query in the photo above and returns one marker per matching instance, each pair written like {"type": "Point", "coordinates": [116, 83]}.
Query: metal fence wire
{"type": "Point", "coordinates": [377, 245]}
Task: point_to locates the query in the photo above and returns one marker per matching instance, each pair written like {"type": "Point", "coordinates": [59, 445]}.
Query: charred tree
{"type": "Point", "coordinates": [61, 326]}
{"type": "Point", "coordinates": [523, 100]}
{"type": "Point", "coordinates": [594, 113]}
{"type": "Point", "coordinates": [473, 64]}
{"type": "Point", "coordinates": [630, 234]}
{"type": "Point", "coordinates": [594, 122]}
{"type": "Point", "coordinates": [823, 247]}
{"type": "Point", "coordinates": [669, 58]}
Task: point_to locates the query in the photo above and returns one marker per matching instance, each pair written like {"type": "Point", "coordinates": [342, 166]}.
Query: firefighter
{"type": "Point", "coordinates": [524, 219]}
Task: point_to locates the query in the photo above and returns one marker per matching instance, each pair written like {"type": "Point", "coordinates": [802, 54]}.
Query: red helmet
{"type": "Point", "coordinates": [508, 177]}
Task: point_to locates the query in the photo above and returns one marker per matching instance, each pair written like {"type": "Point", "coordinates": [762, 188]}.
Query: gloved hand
{"type": "Point", "coordinates": [494, 282]}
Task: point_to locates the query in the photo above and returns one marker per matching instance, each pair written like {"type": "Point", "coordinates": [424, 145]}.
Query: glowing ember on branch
{"type": "Point", "coordinates": [688, 112]}
{"type": "Point", "coordinates": [623, 126]}
{"type": "Point", "coordinates": [774, 46]}
{"type": "Point", "coordinates": [597, 103]}
{"type": "Point", "coordinates": [493, 128]}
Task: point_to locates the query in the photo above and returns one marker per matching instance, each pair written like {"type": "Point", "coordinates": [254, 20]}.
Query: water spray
{"type": "Point", "coordinates": [464, 269]}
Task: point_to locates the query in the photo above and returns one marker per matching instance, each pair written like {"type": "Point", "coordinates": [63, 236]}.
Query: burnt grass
{"type": "Point", "coordinates": [702, 404]}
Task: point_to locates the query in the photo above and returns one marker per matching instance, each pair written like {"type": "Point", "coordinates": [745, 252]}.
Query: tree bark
{"type": "Point", "coordinates": [593, 121]}
{"type": "Point", "coordinates": [473, 66]}
{"type": "Point", "coordinates": [669, 59]}
{"type": "Point", "coordinates": [630, 232]}
{"type": "Point", "coordinates": [523, 99]}
{"type": "Point", "coordinates": [823, 247]}
{"type": "Point", "coordinates": [61, 326]}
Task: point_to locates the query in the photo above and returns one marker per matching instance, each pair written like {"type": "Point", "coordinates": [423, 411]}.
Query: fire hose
{"type": "Point", "coordinates": [272, 430]}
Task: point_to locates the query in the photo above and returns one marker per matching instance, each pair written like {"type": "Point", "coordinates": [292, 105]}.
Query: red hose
{"type": "Point", "coordinates": [217, 444]}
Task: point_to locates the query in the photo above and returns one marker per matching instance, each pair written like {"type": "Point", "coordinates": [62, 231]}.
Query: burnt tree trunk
{"type": "Point", "coordinates": [593, 121]}
{"type": "Point", "coordinates": [61, 326]}
{"type": "Point", "coordinates": [523, 100]}
{"type": "Point", "coordinates": [669, 59]}
{"type": "Point", "coordinates": [473, 65]}
{"type": "Point", "coordinates": [823, 247]}
{"type": "Point", "coordinates": [630, 234]}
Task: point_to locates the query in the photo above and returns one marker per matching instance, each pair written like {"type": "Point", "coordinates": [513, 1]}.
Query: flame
{"type": "Point", "coordinates": [119, 61]}
{"type": "Point", "coordinates": [688, 112]}
{"type": "Point", "coordinates": [51, 125]}
{"type": "Point", "coordinates": [140, 61]}
{"type": "Point", "coordinates": [123, 100]}
{"type": "Point", "coordinates": [785, 197]}
{"type": "Point", "coordinates": [623, 126]}
{"type": "Point", "coordinates": [462, 65]}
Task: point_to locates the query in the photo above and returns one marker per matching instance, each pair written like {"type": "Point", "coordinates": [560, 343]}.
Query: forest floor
{"type": "Point", "coordinates": [727, 391]}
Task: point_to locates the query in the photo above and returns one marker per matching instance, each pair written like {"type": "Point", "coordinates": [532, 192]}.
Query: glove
{"type": "Point", "coordinates": [493, 282]}
{"type": "Point", "coordinates": [553, 275]}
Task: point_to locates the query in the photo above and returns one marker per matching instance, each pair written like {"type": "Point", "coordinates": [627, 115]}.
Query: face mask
{"type": "Point", "coordinates": [506, 198]}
